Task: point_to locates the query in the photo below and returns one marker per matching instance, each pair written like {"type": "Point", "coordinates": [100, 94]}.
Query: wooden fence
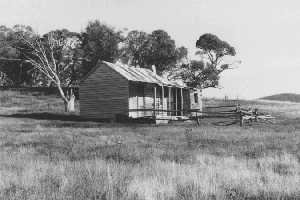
{"type": "Point", "coordinates": [239, 113]}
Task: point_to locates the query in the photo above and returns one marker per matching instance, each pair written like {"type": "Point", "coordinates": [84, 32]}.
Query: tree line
{"type": "Point", "coordinates": [62, 57]}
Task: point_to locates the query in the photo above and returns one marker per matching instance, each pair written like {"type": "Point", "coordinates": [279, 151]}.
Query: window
{"type": "Point", "coordinates": [196, 97]}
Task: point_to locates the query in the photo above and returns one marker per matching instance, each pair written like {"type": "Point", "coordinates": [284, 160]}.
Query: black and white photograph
{"type": "Point", "coordinates": [149, 99]}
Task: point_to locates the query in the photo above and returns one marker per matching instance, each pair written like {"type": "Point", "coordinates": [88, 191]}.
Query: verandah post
{"type": "Point", "coordinates": [181, 99]}
{"type": "Point", "coordinates": [144, 101]}
{"type": "Point", "coordinates": [137, 103]}
{"type": "Point", "coordinates": [154, 101]}
{"type": "Point", "coordinates": [162, 98]}
{"type": "Point", "coordinates": [176, 102]}
{"type": "Point", "coordinates": [169, 102]}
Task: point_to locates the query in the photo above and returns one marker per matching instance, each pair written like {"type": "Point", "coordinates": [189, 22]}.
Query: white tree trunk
{"type": "Point", "coordinates": [69, 99]}
{"type": "Point", "coordinates": [69, 104]}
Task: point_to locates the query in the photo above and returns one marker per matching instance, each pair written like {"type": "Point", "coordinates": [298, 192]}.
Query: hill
{"type": "Point", "coordinates": [283, 97]}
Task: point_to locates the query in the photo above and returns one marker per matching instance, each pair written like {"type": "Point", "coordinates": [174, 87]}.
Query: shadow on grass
{"type": "Point", "coordinates": [219, 120]}
{"type": "Point", "coordinates": [74, 118]}
{"type": "Point", "coordinates": [55, 116]}
{"type": "Point", "coordinates": [225, 123]}
{"type": "Point", "coordinates": [61, 120]}
{"type": "Point", "coordinates": [215, 116]}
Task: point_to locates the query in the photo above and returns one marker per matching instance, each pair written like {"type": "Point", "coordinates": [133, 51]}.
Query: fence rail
{"type": "Point", "coordinates": [229, 106]}
{"type": "Point", "coordinates": [239, 113]}
{"type": "Point", "coordinates": [189, 110]}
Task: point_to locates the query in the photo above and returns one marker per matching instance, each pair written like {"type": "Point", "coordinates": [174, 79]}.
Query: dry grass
{"type": "Point", "coordinates": [46, 154]}
{"type": "Point", "coordinates": [287, 109]}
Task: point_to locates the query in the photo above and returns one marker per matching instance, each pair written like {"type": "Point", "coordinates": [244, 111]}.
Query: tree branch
{"type": "Point", "coordinates": [210, 57]}
{"type": "Point", "coordinates": [10, 59]}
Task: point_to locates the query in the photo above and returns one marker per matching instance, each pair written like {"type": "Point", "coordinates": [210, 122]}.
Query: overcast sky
{"type": "Point", "coordinates": [265, 34]}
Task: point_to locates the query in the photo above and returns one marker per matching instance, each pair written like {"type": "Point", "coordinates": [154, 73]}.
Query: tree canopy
{"type": "Point", "coordinates": [135, 50]}
{"type": "Point", "coordinates": [67, 53]}
{"type": "Point", "coordinates": [74, 54]}
{"type": "Point", "coordinates": [215, 51]}
{"type": "Point", "coordinates": [62, 57]}
{"type": "Point", "coordinates": [199, 75]}
{"type": "Point", "coordinates": [52, 55]}
{"type": "Point", "coordinates": [12, 62]}
{"type": "Point", "coordinates": [214, 48]}
{"type": "Point", "coordinates": [143, 50]}
{"type": "Point", "coordinates": [100, 42]}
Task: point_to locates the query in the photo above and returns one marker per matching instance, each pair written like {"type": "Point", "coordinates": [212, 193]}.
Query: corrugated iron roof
{"type": "Point", "coordinates": [140, 75]}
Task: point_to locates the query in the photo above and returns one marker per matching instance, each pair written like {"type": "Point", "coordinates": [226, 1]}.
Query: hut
{"type": "Point", "coordinates": [112, 89]}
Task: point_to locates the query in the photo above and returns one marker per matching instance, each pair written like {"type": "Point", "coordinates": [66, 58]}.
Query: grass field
{"type": "Point", "coordinates": [47, 154]}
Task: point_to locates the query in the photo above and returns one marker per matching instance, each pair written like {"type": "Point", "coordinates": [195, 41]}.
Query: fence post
{"type": "Point", "coordinates": [241, 119]}
{"type": "Point", "coordinates": [237, 110]}
{"type": "Point", "coordinates": [255, 114]}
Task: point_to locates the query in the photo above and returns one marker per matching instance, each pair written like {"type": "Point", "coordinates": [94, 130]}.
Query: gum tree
{"type": "Point", "coordinates": [48, 54]}
{"type": "Point", "coordinates": [216, 52]}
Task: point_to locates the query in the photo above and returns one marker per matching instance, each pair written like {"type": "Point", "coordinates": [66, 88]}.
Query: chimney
{"type": "Point", "coordinates": [153, 69]}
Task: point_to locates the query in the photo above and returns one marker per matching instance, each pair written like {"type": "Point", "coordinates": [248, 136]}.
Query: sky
{"type": "Point", "coordinates": [264, 33]}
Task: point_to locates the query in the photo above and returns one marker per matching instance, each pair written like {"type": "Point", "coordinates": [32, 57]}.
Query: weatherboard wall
{"type": "Point", "coordinates": [192, 99]}
{"type": "Point", "coordinates": [196, 100]}
{"type": "Point", "coordinates": [186, 101]}
{"type": "Point", "coordinates": [103, 94]}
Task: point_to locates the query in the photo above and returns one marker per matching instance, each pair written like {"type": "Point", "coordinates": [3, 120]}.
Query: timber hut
{"type": "Point", "coordinates": [112, 89]}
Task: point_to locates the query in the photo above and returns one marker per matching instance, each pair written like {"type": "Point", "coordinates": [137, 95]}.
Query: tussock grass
{"type": "Point", "coordinates": [209, 177]}
{"type": "Point", "coordinates": [7, 96]}
{"type": "Point", "coordinates": [46, 154]}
